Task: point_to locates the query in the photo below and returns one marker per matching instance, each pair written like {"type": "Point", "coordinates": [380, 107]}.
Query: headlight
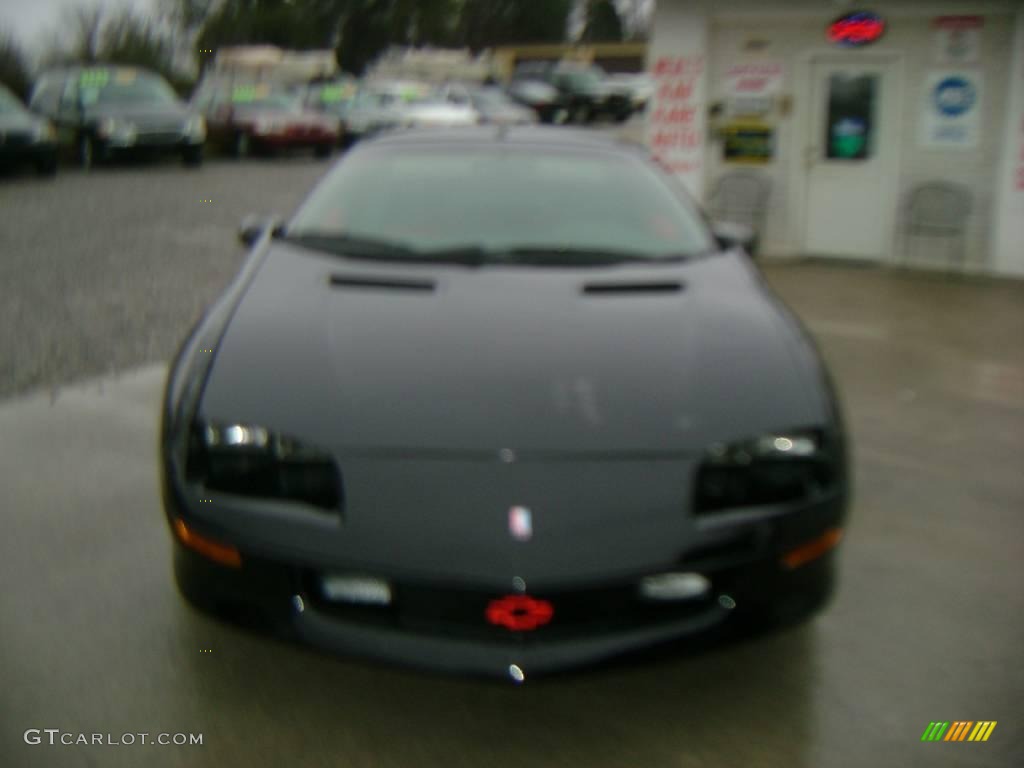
{"type": "Point", "coordinates": [195, 128]}
{"type": "Point", "coordinates": [779, 468]}
{"type": "Point", "coordinates": [250, 460]}
{"type": "Point", "coordinates": [116, 130]}
{"type": "Point", "coordinates": [106, 127]}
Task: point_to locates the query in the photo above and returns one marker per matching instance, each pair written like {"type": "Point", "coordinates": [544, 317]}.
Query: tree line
{"type": "Point", "coordinates": [358, 30]}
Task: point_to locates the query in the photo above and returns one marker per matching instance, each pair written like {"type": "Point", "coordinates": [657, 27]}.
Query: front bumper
{"type": "Point", "coordinates": [286, 140]}
{"type": "Point", "coordinates": [11, 153]}
{"type": "Point", "coordinates": [157, 143]}
{"type": "Point", "coordinates": [442, 626]}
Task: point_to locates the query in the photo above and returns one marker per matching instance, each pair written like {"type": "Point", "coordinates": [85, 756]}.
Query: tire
{"type": "Point", "coordinates": [582, 114]}
{"type": "Point", "coordinates": [47, 165]}
{"type": "Point", "coordinates": [241, 145]}
{"type": "Point", "coordinates": [192, 157]}
{"type": "Point", "coordinates": [622, 117]}
{"type": "Point", "coordinates": [322, 150]}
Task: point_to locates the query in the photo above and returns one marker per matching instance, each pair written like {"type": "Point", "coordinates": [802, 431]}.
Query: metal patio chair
{"type": "Point", "coordinates": [741, 197]}
{"type": "Point", "coordinates": [938, 210]}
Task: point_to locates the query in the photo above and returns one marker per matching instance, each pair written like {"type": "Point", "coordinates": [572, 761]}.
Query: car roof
{"type": "Point", "coordinates": [537, 136]}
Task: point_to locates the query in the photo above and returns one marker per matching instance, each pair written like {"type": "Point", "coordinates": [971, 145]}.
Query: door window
{"type": "Point", "coordinates": [850, 116]}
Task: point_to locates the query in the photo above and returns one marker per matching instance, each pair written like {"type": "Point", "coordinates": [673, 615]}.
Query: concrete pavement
{"type": "Point", "coordinates": [928, 623]}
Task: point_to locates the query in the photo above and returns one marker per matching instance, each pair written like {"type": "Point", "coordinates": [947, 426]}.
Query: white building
{"type": "Point", "coordinates": [843, 111]}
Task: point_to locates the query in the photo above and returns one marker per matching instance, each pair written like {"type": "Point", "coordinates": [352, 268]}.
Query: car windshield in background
{"type": "Point", "coordinates": [581, 78]}
{"type": "Point", "coordinates": [124, 87]}
{"type": "Point", "coordinates": [540, 203]}
{"type": "Point", "coordinates": [271, 102]}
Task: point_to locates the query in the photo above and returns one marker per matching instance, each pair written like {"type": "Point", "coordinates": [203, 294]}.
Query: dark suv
{"type": "Point", "coordinates": [585, 92]}
{"type": "Point", "coordinates": [102, 110]}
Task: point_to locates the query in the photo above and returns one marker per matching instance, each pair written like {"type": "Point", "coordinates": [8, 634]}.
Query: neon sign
{"type": "Point", "coordinates": [856, 29]}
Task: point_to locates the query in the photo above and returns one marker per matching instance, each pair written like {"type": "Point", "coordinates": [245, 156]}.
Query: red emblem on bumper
{"type": "Point", "coordinates": [519, 613]}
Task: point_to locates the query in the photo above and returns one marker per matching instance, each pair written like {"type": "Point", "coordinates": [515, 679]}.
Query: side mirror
{"type": "Point", "coordinates": [254, 227]}
{"type": "Point", "coordinates": [730, 234]}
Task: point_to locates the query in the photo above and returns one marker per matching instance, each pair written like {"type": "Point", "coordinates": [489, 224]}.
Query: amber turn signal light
{"type": "Point", "coordinates": [224, 554]}
{"type": "Point", "coordinates": [813, 549]}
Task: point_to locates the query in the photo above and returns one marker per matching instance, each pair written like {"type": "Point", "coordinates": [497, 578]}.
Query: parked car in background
{"type": "Point", "coordinates": [491, 103]}
{"type": "Point", "coordinates": [544, 99]}
{"type": "Point", "coordinates": [24, 137]}
{"type": "Point", "coordinates": [583, 87]}
{"type": "Point", "coordinates": [638, 87]}
{"type": "Point", "coordinates": [104, 110]}
{"type": "Point", "coordinates": [331, 98]}
{"type": "Point", "coordinates": [254, 117]}
{"type": "Point", "coordinates": [388, 104]}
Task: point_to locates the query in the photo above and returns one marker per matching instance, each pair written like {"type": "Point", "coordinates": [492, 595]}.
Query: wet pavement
{"type": "Point", "coordinates": [928, 623]}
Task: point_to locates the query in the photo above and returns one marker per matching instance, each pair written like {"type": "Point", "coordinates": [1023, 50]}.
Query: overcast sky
{"type": "Point", "coordinates": [30, 19]}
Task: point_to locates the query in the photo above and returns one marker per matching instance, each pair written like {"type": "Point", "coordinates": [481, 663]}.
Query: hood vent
{"type": "Point", "coordinates": [638, 287]}
{"type": "Point", "coordinates": [382, 283]}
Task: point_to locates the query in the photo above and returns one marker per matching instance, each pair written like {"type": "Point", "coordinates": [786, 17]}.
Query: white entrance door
{"type": "Point", "coordinates": [850, 159]}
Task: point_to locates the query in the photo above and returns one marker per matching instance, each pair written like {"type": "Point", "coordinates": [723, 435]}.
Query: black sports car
{"type": "Point", "coordinates": [495, 400]}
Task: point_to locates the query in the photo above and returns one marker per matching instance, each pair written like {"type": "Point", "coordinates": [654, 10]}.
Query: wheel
{"type": "Point", "coordinates": [192, 157]}
{"type": "Point", "coordinates": [623, 116]}
{"type": "Point", "coordinates": [241, 146]}
{"type": "Point", "coordinates": [582, 114]}
{"type": "Point", "coordinates": [322, 150]}
{"type": "Point", "coordinates": [46, 165]}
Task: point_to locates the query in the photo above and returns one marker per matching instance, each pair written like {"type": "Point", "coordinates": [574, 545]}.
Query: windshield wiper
{"type": "Point", "coordinates": [583, 257]}
{"type": "Point", "coordinates": [355, 247]}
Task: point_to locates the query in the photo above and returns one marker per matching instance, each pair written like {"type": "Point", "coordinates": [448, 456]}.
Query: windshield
{"type": "Point", "coordinates": [581, 78]}
{"type": "Point", "coordinates": [430, 200]}
{"type": "Point", "coordinates": [124, 87]}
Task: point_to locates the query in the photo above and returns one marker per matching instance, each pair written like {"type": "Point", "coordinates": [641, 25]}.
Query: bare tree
{"type": "Point", "coordinates": [86, 29]}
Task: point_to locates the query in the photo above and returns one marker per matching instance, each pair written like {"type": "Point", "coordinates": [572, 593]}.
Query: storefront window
{"type": "Point", "coordinates": [850, 123]}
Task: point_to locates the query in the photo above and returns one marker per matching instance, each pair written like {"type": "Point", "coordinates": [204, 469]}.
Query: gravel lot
{"type": "Point", "coordinates": [107, 270]}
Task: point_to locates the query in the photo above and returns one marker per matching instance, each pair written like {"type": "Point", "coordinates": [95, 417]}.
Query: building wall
{"type": "Point", "coordinates": [791, 39]}
{"type": "Point", "coordinates": [726, 32]}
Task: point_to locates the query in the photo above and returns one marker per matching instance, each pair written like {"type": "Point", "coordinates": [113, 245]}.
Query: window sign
{"type": "Point", "coordinates": [856, 29]}
{"type": "Point", "coordinates": [951, 113]}
{"type": "Point", "coordinates": [849, 123]}
{"type": "Point", "coordinates": [957, 39]}
{"type": "Point", "coordinates": [750, 143]}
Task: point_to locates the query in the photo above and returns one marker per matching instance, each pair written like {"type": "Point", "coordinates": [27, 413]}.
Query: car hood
{"type": "Point", "coordinates": [439, 113]}
{"type": "Point", "coordinates": [18, 121]}
{"type": "Point", "coordinates": [510, 357]}
{"type": "Point", "coordinates": [303, 118]}
{"type": "Point", "coordinates": [507, 114]}
{"type": "Point", "coordinates": [142, 113]}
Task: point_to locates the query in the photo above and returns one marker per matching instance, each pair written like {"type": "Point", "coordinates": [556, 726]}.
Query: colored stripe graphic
{"type": "Point", "coordinates": [958, 730]}
{"type": "Point", "coordinates": [982, 730]}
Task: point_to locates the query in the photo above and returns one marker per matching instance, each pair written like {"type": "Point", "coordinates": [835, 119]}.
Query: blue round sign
{"type": "Point", "coordinates": [954, 95]}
